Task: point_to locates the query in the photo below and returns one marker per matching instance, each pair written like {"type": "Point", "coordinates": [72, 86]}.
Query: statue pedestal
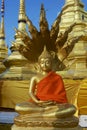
{"type": "Point", "coordinates": [24, 122]}
{"type": "Point", "coordinates": [15, 127]}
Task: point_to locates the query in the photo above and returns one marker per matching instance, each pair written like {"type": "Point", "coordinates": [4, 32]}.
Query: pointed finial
{"type": "Point", "coordinates": [2, 8]}
{"type": "Point", "coordinates": [45, 54]}
{"type": "Point", "coordinates": [22, 11]}
{"type": "Point", "coordinates": [2, 33]}
{"type": "Point", "coordinates": [42, 13]}
{"type": "Point", "coordinates": [43, 19]}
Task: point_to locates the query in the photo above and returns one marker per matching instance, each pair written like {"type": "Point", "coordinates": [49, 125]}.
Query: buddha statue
{"type": "Point", "coordinates": [48, 95]}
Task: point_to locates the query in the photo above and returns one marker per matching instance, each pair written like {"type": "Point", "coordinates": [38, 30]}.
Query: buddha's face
{"type": "Point", "coordinates": [45, 64]}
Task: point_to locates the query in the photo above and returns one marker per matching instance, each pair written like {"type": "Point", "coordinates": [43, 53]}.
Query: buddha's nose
{"type": "Point", "coordinates": [44, 64]}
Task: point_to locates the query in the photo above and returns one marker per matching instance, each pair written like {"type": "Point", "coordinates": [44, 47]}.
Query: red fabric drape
{"type": "Point", "coordinates": [51, 88]}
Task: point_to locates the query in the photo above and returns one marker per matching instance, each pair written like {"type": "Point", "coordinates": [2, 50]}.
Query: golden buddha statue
{"type": "Point", "coordinates": [48, 95]}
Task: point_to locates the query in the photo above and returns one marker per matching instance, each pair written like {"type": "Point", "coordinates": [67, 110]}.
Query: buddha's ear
{"type": "Point", "coordinates": [37, 67]}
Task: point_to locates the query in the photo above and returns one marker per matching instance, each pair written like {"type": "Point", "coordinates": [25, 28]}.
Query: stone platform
{"type": "Point", "coordinates": [24, 122]}
{"type": "Point", "coordinates": [15, 127]}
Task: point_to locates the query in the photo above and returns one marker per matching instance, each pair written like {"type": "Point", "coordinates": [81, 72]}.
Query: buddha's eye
{"type": "Point", "coordinates": [47, 62]}
{"type": "Point", "coordinates": [41, 62]}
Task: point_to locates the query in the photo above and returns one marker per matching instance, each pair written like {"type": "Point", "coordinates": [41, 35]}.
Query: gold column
{"type": "Point", "coordinates": [3, 47]}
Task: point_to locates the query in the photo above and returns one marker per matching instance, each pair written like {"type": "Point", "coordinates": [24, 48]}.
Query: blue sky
{"type": "Point", "coordinates": [52, 8]}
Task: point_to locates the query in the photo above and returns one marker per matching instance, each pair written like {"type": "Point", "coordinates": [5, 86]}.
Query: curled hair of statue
{"type": "Point", "coordinates": [45, 54]}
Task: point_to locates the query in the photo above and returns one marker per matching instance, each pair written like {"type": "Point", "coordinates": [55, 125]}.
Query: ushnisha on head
{"type": "Point", "coordinates": [45, 60]}
{"type": "Point", "coordinates": [45, 54]}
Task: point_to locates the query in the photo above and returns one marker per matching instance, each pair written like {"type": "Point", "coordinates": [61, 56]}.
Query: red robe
{"type": "Point", "coordinates": [51, 88]}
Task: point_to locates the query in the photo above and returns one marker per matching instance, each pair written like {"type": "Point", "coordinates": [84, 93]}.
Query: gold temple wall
{"type": "Point", "coordinates": [13, 92]}
{"type": "Point", "coordinates": [82, 98]}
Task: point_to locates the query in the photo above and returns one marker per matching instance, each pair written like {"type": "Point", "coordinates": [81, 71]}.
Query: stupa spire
{"type": "Point", "coordinates": [43, 19]}
{"type": "Point", "coordinates": [21, 17]}
{"type": "Point", "coordinates": [3, 47]}
{"type": "Point", "coordinates": [16, 62]}
{"type": "Point", "coordinates": [2, 33]}
{"type": "Point", "coordinates": [22, 10]}
{"type": "Point", "coordinates": [2, 8]}
{"type": "Point", "coordinates": [42, 13]}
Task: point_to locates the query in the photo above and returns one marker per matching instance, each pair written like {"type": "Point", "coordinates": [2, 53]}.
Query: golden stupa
{"type": "Point", "coordinates": [3, 47]}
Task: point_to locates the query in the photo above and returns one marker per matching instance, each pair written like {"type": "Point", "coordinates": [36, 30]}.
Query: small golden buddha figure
{"type": "Point", "coordinates": [47, 92]}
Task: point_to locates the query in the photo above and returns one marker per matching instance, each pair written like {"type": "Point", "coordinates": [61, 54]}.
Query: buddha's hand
{"type": "Point", "coordinates": [45, 103]}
